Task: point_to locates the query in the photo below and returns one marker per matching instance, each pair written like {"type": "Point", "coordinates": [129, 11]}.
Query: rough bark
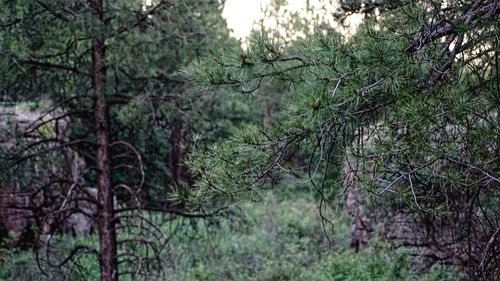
{"type": "Point", "coordinates": [176, 154]}
{"type": "Point", "coordinates": [105, 219]}
{"type": "Point", "coordinates": [361, 226]}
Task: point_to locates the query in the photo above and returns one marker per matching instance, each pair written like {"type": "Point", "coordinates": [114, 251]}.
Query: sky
{"type": "Point", "coordinates": [241, 14]}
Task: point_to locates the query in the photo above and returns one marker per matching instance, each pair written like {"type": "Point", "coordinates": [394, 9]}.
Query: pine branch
{"type": "Point", "coordinates": [446, 28]}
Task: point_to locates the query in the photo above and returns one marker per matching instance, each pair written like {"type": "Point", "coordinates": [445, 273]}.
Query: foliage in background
{"type": "Point", "coordinates": [48, 51]}
{"type": "Point", "coordinates": [277, 238]}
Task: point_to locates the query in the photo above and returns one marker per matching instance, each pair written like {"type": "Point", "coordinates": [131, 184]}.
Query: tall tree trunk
{"type": "Point", "coordinates": [105, 218]}
{"type": "Point", "coordinates": [361, 226]}
{"type": "Point", "coordinates": [176, 153]}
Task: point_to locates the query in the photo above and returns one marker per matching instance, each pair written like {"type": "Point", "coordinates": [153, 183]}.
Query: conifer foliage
{"type": "Point", "coordinates": [107, 125]}
{"type": "Point", "coordinates": [412, 99]}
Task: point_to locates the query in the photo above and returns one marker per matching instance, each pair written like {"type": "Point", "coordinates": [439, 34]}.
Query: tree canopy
{"type": "Point", "coordinates": [410, 102]}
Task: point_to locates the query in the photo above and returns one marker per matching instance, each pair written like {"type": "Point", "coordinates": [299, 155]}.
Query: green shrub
{"type": "Point", "coordinates": [277, 239]}
{"type": "Point", "coordinates": [383, 264]}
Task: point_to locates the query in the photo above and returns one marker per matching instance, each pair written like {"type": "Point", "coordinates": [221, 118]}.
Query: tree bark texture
{"type": "Point", "coordinates": [105, 218]}
{"type": "Point", "coordinates": [361, 227]}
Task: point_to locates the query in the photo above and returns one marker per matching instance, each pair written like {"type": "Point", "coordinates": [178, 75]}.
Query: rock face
{"type": "Point", "coordinates": [443, 239]}
{"type": "Point", "coordinates": [441, 225]}
{"type": "Point", "coordinates": [58, 200]}
{"type": "Point", "coordinates": [81, 221]}
{"type": "Point", "coordinates": [24, 216]}
{"type": "Point", "coordinates": [16, 218]}
{"type": "Point", "coordinates": [438, 240]}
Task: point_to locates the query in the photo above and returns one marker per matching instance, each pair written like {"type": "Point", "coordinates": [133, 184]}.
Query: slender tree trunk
{"type": "Point", "coordinates": [105, 218]}
{"type": "Point", "coordinates": [361, 226]}
{"type": "Point", "coordinates": [176, 154]}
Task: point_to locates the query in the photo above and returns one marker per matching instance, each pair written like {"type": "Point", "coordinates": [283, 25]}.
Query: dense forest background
{"type": "Point", "coordinates": [141, 141]}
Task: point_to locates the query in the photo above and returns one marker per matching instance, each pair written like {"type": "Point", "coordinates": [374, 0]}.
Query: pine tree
{"type": "Point", "coordinates": [115, 109]}
{"type": "Point", "coordinates": [412, 98]}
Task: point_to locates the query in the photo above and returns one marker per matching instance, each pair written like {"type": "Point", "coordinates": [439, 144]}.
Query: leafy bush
{"type": "Point", "coordinates": [278, 238]}
{"type": "Point", "coordinates": [371, 265]}
{"type": "Point", "coordinates": [282, 239]}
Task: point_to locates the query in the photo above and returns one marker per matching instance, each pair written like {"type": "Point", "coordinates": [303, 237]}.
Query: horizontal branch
{"type": "Point", "coordinates": [44, 64]}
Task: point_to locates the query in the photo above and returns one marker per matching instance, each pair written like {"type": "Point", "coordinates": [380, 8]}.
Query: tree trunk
{"type": "Point", "coordinates": [105, 218]}
{"type": "Point", "coordinates": [176, 154]}
{"type": "Point", "coordinates": [361, 227]}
